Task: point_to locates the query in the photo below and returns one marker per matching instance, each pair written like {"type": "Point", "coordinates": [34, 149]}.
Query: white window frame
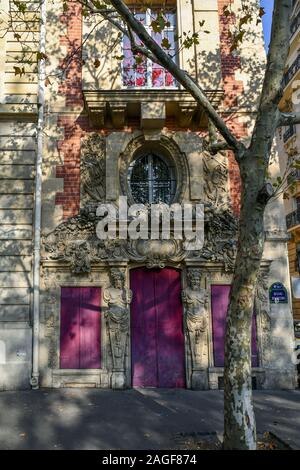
{"type": "Point", "coordinates": [149, 85]}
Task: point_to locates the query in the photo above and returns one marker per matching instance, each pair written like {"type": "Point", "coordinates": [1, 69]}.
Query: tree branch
{"type": "Point", "coordinates": [265, 125]}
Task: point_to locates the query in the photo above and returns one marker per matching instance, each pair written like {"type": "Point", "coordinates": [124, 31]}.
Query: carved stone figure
{"type": "Point", "coordinates": [118, 299]}
{"type": "Point", "coordinates": [215, 179]}
{"type": "Point", "coordinates": [78, 254]}
{"type": "Point", "coordinates": [261, 306]}
{"type": "Point", "coordinates": [93, 168]}
{"type": "Point", "coordinates": [195, 300]}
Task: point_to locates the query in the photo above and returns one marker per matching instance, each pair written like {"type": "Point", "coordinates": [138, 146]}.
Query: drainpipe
{"type": "Point", "coordinates": [38, 204]}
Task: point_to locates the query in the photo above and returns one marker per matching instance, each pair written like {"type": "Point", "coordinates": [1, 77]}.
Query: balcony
{"type": "Point", "coordinates": [293, 219]}
{"type": "Point", "coordinates": [291, 72]}
{"type": "Point", "coordinates": [295, 24]}
{"type": "Point", "coordinates": [291, 130]}
{"type": "Point", "coordinates": [150, 108]}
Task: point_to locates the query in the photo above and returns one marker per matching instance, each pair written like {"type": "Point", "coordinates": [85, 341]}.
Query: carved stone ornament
{"type": "Point", "coordinates": [165, 145]}
{"type": "Point", "coordinates": [75, 243]}
{"type": "Point", "coordinates": [156, 253]}
{"type": "Point", "coordinates": [220, 238]}
{"type": "Point", "coordinates": [92, 168]}
{"type": "Point", "coordinates": [216, 180]}
{"type": "Point", "coordinates": [118, 298]}
{"type": "Point", "coordinates": [195, 301]}
{"type": "Point", "coordinates": [262, 309]}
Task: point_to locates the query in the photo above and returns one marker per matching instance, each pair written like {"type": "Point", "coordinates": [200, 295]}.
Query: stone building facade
{"type": "Point", "coordinates": [118, 313]}
{"type": "Point", "coordinates": [288, 149]}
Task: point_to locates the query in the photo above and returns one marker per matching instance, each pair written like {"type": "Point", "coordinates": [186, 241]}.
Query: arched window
{"type": "Point", "coordinates": [151, 179]}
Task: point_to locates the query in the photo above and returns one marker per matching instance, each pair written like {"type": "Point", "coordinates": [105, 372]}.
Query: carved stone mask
{"type": "Point", "coordinates": [117, 278]}
{"type": "Point", "coordinates": [194, 278]}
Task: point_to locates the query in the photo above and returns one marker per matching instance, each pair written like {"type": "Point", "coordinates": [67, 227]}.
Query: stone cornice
{"type": "Point", "coordinates": [111, 108]}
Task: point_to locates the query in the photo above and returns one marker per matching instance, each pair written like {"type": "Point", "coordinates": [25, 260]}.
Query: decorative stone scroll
{"type": "Point", "coordinates": [156, 253]}
{"type": "Point", "coordinates": [118, 299]}
{"type": "Point", "coordinates": [195, 301]}
{"type": "Point", "coordinates": [75, 243]}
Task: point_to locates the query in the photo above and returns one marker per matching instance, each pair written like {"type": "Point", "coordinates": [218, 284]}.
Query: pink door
{"type": "Point", "coordinates": [80, 325]}
{"type": "Point", "coordinates": [157, 338]}
{"type": "Point", "coordinates": [219, 304]}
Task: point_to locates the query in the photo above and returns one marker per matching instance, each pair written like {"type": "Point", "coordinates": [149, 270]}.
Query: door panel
{"type": "Point", "coordinates": [143, 327]}
{"type": "Point", "coordinates": [219, 305]}
{"type": "Point", "coordinates": [157, 331]}
{"type": "Point", "coordinates": [69, 328]}
{"type": "Point", "coordinates": [90, 351]}
{"type": "Point", "coordinates": [170, 339]}
{"type": "Point", "coordinates": [80, 336]}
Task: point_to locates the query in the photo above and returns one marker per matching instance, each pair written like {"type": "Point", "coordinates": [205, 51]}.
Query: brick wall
{"type": "Point", "coordinates": [76, 126]}
{"type": "Point", "coordinates": [233, 88]}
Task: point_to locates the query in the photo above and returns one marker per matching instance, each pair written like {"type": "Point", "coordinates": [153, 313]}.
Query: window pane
{"type": "Point", "coordinates": [170, 80]}
{"type": "Point", "coordinates": [171, 17]}
{"type": "Point", "coordinates": [151, 180]}
{"type": "Point", "coordinates": [170, 35]}
{"type": "Point", "coordinates": [141, 76]}
{"type": "Point", "coordinates": [157, 37]}
{"type": "Point", "coordinates": [128, 76]}
{"type": "Point", "coordinates": [141, 17]}
{"type": "Point", "coordinates": [157, 76]}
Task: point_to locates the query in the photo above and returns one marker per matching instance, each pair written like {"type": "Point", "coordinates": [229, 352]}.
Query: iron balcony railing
{"type": "Point", "coordinates": [291, 130]}
{"type": "Point", "coordinates": [291, 71]}
{"type": "Point", "coordinates": [293, 219]}
{"type": "Point", "coordinates": [295, 24]}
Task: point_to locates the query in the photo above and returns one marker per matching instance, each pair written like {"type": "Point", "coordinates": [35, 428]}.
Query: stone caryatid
{"type": "Point", "coordinates": [118, 299]}
{"type": "Point", "coordinates": [195, 301]}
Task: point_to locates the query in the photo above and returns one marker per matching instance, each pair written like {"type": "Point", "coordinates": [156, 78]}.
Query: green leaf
{"type": "Point", "coordinates": [165, 43]}
{"type": "Point", "coordinates": [19, 71]}
{"type": "Point", "coordinates": [40, 56]}
{"type": "Point", "coordinates": [245, 20]}
{"type": "Point", "coordinates": [21, 6]}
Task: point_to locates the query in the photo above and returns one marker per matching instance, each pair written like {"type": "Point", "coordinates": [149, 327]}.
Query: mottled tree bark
{"type": "Point", "coordinates": [239, 419]}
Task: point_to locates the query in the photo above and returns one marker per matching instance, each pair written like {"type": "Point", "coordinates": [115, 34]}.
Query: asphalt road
{"type": "Point", "coordinates": [131, 419]}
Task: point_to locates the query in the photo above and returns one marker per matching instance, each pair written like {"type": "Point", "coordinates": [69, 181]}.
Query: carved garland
{"type": "Point", "coordinates": [172, 149]}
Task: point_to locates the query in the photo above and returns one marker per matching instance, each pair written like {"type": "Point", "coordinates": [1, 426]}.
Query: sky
{"type": "Point", "coordinates": [267, 20]}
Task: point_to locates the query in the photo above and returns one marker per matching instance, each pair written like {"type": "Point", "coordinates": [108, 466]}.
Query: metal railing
{"type": "Point", "coordinates": [293, 218]}
{"type": "Point", "coordinates": [291, 71]}
{"type": "Point", "coordinates": [295, 24]}
{"type": "Point", "coordinates": [291, 130]}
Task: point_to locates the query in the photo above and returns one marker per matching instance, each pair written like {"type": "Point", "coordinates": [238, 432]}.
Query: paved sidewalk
{"type": "Point", "coordinates": [131, 419]}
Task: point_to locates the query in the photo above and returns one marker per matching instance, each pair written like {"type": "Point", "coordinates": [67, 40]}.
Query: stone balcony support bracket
{"type": "Point", "coordinates": [151, 107]}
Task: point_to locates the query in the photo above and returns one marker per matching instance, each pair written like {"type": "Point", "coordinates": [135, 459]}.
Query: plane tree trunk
{"type": "Point", "coordinates": [239, 419]}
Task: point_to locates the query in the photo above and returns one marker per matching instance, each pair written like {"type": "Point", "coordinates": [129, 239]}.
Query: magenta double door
{"type": "Point", "coordinates": [157, 338]}
{"type": "Point", "coordinates": [80, 328]}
